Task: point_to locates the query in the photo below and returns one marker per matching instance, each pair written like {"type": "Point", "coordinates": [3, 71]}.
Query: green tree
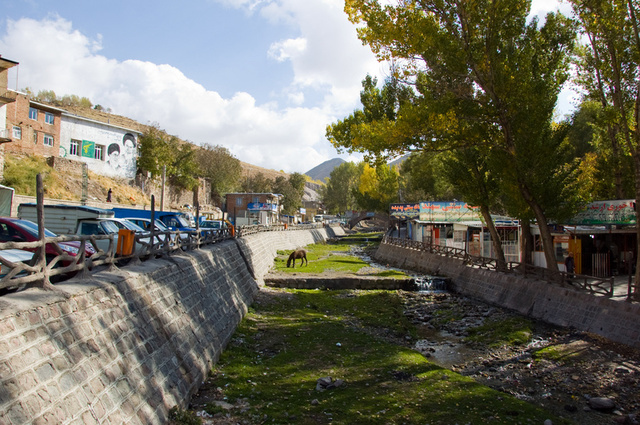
{"type": "Point", "coordinates": [221, 168]}
{"type": "Point", "coordinates": [609, 70]}
{"type": "Point", "coordinates": [377, 187]}
{"type": "Point", "coordinates": [183, 170]}
{"type": "Point", "coordinates": [292, 189]}
{"type": "Point", "coordinates": [477, 66]}
{"type": "Point", "coordinates": [338, 193]}
{"type": "Point", "coordinates": [160, 152]}
{"type": "Point", "coordinates": [422, 178]}
{"type": "Point", "coordinates": [257, 183]}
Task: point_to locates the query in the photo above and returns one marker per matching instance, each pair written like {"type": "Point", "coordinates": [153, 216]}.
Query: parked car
{"type": "Point", "coordinates": [109, 226]}
{"type": "Point", "coordinates": [15, 256]}
{"type": "Point", "coordinates": [145, 223]}
{"type": "Point", "coordinates": [212, 224]}
{"type": "Point", "coordinates": [17, 230]}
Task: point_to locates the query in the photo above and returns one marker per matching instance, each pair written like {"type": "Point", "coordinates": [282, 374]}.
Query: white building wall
{"type": "Point", "coordinates": [119, 146]}
{"type": "Point", "coordinates": [4, 132]}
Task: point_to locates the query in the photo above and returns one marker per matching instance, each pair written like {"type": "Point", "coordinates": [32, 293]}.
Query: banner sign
{"type": "Point", "coordinates": [621, 212]}
{"type": "Point", "coordinates": [88, 149]}
{"type": "Point", "coordinates": [259, 206]}
{"type": "Point", "coordinates": [405, 210]}
{"type": "Point", "coordinates": [448, 211]}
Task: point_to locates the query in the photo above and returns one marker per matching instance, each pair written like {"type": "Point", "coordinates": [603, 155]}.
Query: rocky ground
{"type": "Point", "coordinates": [583, 377]}
{"type": "Point", "coordinates": [586, 379]}
{"type": "Point", "coordinates": [580, 376]}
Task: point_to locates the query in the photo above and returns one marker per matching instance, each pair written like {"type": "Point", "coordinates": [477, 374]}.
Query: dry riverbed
{"type": "Point", "coordinates": [574, 374]}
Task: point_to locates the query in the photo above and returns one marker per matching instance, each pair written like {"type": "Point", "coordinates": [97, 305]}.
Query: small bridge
{"type": "Point", "coordinates": [383, 219]}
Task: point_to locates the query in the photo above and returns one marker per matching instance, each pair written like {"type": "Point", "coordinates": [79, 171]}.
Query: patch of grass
{"type": "Point", "coordinates": [392, 273]}
{"type": "Point", "coordinates": [287, 343]}
{"type": "Point", "coordinates": [495, 333]}
{"type": "Point", "coordinates": [561, 353]}
{"type": "Point", "coordinates": [20, 173]}
{"type": "Point", "coordinates": [322, 257]}
{"type": "Point", "coordinates": [178, 416]}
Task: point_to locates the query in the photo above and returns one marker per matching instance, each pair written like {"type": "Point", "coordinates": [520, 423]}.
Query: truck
{"type": "Point", "coordinates": [173, 220]}
{"type": "Point", "coordinates": [62, 219]}
{"type": "Point", "coordinates": [83, 221]}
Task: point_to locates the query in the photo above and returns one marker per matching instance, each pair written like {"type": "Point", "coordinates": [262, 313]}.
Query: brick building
{"type": "Point", "coordinates": [34, 128]}
{"type": "Point", "coordinates": [253, 208]}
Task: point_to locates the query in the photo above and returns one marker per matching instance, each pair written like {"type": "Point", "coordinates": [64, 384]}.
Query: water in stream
{"type": "Point", "coordinates": [441, 347]}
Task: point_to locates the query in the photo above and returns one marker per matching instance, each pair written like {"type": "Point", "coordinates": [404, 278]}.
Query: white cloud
{"type": "Point", "coordinates": [54, 56]}
{"type": "Point", "coordinates": [283, 50]}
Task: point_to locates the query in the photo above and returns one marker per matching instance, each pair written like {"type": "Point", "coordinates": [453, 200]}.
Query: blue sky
{"type": "Point", "coordinates": [261, 77]}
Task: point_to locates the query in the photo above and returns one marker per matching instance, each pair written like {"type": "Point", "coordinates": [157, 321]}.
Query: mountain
{"type": "Point", "coordinates": [323, 170]}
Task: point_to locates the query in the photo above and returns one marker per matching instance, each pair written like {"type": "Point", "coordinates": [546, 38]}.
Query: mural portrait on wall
{"type": "Point", "coordinates": [113, 156]}
{"type": "Point", "coordinates": [128, 155]}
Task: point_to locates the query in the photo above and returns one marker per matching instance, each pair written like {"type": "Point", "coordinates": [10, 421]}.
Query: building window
{"type": "Point", "coordinates": [33, 114]}
{"type": "Point", "coordinates": [239, 201]}
{"type": "Point", "coordinates": [35, 137]}
{"type": "Point", "coordinates": [17, 132]}
{"type": "Point", "coordinates": [98, 153]}
{"type": "Point", "coordinates": [74, 147]}
{"type": "Point", "coordinates": [48, 140]}
{"type": "Point", "coordinates": [48, 118]}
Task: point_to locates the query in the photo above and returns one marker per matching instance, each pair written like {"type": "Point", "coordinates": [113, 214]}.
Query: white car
{"type": "Point", "coordinates": [110, 226]}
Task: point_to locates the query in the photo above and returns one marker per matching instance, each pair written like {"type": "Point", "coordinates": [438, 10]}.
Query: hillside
{"type": "Point", "coordinates": [323, 171]}
{"type": "Point", "coordinates": [249, 170]}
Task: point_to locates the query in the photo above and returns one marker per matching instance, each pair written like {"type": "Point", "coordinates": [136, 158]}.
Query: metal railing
{"type": "Point", "coordinates": [593, 285]}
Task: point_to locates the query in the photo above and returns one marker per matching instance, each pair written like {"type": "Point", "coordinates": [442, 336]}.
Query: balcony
{"type": "Point", "coordinates": [7, 97]}
{"type": "Point", "coordinates": [5, 135]}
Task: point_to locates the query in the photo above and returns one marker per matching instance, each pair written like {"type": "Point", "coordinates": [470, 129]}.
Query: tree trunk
{"type": "Point", "coordinates": [526, 242]}
{"type": "Point", "coordinates": [545, 232]}
{"type": "Point", "coordinates": [496, 241]}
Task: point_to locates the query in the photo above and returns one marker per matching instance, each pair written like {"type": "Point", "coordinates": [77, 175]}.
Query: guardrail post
{"type": "Point", "coordinates": [40, 256]}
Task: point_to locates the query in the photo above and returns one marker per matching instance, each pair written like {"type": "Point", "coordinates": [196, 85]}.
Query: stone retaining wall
{"type": "Point", "coordinates": [126, 345]}
{"type": "Point", "coordinates": [615, 320]}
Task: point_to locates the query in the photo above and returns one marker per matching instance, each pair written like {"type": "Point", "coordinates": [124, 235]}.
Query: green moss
{"type": "Point", "coordinates": [281, 349]}
{"type": "Point", "coordinates": [495, 333]}
{"type": "Point", "coordinates": [178, 416]}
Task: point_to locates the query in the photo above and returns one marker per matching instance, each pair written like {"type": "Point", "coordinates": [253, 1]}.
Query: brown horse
{"type": "Point", "coordinates": [298, 253]}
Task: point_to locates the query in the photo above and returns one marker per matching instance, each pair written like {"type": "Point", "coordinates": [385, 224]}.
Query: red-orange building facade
{"type": "Point", "coordinates": [33, 127]}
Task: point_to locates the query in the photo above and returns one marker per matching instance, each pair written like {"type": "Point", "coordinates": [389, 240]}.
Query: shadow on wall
{"type": "Point", "coordinates": [134, 344]}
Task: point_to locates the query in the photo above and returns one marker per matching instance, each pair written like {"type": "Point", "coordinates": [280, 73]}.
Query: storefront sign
{"type": "Point", "coordinates": [447, 211]}
{"type": "Point", "coordinates": [259, 206]}
{"type": "Point", "coordinates": [405, 210]}
{"type": "Point", "coordinates": [607, 212]}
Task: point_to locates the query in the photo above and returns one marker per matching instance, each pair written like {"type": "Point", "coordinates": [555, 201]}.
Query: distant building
{"type": "Point", "coordinates": [253, 208]}
{"type": "Point", "coordinates": [39, 129]}
{"type": "Point", "coordinates": [34, 127]}
{"type": "Point", "coordinates": [108, 150]}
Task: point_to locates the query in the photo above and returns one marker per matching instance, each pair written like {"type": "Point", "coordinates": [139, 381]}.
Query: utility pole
{"type": "Point", "coordinates": [164, 174]}
{"type": "Point", "coordinates": [85, 184]}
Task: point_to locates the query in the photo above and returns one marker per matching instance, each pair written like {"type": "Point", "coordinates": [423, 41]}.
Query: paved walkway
{"type": "Point", "coordinates": [621, 287]}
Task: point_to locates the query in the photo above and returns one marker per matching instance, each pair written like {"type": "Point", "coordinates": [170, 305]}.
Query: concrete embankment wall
{"type": "Point", "coordinates": [616, 320]}
{"type": "Point", "coordinates": [126, 345]}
